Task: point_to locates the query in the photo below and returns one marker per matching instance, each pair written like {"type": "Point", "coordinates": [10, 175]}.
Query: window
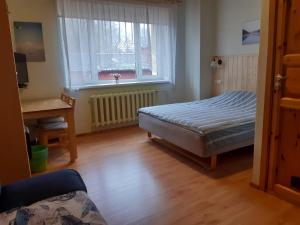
{"type": "Point", "coordinates": [101, 40]}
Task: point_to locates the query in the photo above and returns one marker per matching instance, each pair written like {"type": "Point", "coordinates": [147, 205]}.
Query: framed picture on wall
{"type": "Point", "coordinates": [251, 32]}
{"type": "Point", "coordinates": [29, 40]}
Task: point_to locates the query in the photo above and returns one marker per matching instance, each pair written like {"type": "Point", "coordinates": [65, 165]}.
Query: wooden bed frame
{"type": "Point", "coordinates": [235, 73]}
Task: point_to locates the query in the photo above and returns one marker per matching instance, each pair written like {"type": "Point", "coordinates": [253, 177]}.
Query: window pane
{"type": "Point", "coordinates": [116, 50]}
{"type": "Point", "coordinates": [148, 53]}
{"type": "Point", "coordinates": [96, 50]}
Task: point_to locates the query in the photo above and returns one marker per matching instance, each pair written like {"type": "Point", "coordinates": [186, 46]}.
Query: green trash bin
{"type": "Point", "coordinates": [39, 160]}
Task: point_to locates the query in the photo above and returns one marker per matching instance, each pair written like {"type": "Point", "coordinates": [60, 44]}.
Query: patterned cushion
{"type": "Point", "coordinates": [71, 208]}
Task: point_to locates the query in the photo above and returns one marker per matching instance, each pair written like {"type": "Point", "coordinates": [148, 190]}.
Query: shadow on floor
{"type": "Point", "coordinates": [228, 163]}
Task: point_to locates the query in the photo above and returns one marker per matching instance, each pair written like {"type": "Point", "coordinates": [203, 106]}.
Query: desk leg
{"type": "Point", "coordinates": [71, 134]}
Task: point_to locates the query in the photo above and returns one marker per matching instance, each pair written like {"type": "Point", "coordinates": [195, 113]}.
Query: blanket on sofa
{"type": "Point", "coordinates": [72, 208]}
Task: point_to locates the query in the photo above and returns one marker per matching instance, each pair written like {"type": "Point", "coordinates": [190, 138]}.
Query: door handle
{"type": "Point", "coordinates": [278, 81]}
{"type": "Point", "coordinates": [279, 77]}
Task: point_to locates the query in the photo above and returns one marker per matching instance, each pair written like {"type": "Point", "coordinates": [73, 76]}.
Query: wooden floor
{"type": "Point", "coordinates": [135, 181]}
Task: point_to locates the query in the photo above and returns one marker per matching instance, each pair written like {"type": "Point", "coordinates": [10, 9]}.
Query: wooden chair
{"type": "Point", "coordinates": [55, 127]}
{"type": "Point", "coordinates": [69, 100]}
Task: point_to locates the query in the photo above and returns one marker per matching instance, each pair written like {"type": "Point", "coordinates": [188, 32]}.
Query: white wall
{"type": "Point", "coordinates": [199, 47]}
{"type": "Point", "coordinates": [230, 15]}
{"type": "Point", "coordinates": [192, 49]}
{"type": "Point", "coordinates": [46, 79]}
{"type": "Point", "coordinates": [207, 45]}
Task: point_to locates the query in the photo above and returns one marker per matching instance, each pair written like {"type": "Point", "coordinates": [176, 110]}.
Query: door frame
{"type": "Point", "coordinates": [266, 182]}
{"type": "Point", "coordinates": [276, 63]}
{"type": "Point", "coordinates": [268, 96]}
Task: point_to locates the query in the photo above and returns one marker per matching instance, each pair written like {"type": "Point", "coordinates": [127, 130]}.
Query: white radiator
{"type": "Point", "coordinates": [119, 108]}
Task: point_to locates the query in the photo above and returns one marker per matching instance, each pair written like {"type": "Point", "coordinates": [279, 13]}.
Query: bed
{"type": "Point", "coordinates": [205, 128]}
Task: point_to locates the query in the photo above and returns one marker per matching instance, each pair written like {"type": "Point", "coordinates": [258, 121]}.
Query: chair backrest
{"type": "Point", "coordinates": [68, 99]}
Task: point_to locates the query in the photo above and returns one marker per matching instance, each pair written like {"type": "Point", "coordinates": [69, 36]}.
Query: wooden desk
{"type": "Point", "coordinates": [51, 108]}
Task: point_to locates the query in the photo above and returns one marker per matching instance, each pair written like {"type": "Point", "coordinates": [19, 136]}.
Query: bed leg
{"type": "Point", "coordinates": [149, 135]}
{"type": "Point", "coordinates": [213, 162]}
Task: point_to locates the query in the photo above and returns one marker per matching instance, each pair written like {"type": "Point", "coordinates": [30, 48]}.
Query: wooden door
{"type": "Point", "coordinates": [284, 176]}
{"type": "Point", "coordinates": [13, 154]}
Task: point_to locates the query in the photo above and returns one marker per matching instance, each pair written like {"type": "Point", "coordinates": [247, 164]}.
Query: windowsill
{"type": "Point", "coordinates": [124, 84]}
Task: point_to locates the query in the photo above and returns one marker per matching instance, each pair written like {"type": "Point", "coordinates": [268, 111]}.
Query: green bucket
{"type": "Point", "coordinates": [38, 163]}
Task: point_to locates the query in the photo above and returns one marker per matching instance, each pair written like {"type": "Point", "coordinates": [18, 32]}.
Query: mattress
{"type": "Point", "coordinates": [227, 119]}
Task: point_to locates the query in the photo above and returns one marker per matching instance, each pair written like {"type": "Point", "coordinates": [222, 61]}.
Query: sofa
{"type": "Point", "coordinates": [54, 198]}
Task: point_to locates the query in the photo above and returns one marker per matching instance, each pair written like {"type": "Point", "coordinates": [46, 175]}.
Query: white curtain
{"type": "Point", "coordinates": [98, 35]}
